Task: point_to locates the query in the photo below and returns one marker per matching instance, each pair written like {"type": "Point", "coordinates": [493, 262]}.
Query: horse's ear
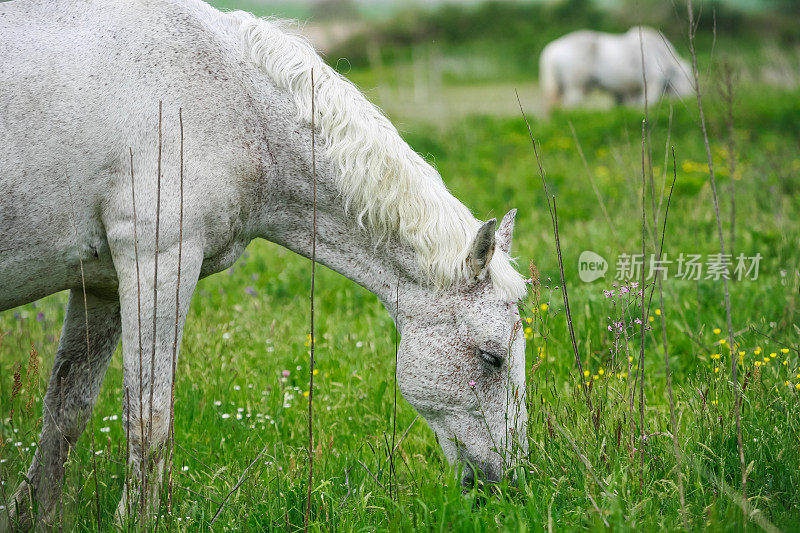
{"type": "Point", "coordinates": [482, 248]}
{"type": "Point", "coordinates": [505, 231]}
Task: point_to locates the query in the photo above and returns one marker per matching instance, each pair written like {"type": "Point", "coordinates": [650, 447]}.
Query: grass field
{"type": "Point", "coordinates": [243, 374]}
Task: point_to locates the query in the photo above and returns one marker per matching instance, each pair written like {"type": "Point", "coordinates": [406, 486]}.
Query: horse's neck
{"type": "Point", "coordinates": [341, 244]}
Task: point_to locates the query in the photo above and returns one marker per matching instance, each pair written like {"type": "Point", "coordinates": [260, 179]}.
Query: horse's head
{"type": "Point", "coordinates": [462, 364]}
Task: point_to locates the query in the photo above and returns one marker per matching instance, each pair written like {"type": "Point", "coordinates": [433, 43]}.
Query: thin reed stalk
{"type": "Point", "coordinates": [394, 408]}
{"type": "Point", "coordinates": [643, 316]}
{"type": "Point", "coordinates": [673, 420]}
{"type": "Point", "coordinates": [712, 178]}
{"type": "Point", "coordinates": [139, 320]}
{"type": "Point", "coordinates": [64, 475]}
{"type": "Point", "coordinates": [313, 280]}
{"type": "Point", "coordinates": [236, 487]}
{"type": "Point", "coordinates": [597, 194]}
{"type": "Point", "coordinates": [177, 325]}
{"type": "Point", "coordinates": [88, 356]}
{"type": "Point", "coordinates": [728, 97]}
{"type": "Point", "coordinates": [146, 450]}
{"type": "Point", "coordinates": [554, 219]}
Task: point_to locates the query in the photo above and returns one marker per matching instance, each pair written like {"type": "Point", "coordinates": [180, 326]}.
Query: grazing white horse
{"type": "Point", "coordinates": [573, 64]}
{"type": "Point", "coordinates": [81, 85]}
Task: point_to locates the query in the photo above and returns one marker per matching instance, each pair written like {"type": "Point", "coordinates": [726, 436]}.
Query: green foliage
{"type": "Point", "coordinates": [248, 328]}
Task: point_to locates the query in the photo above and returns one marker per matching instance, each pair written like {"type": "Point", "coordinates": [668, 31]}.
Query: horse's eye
{"type": "Point", "coordinates": [490, 359]}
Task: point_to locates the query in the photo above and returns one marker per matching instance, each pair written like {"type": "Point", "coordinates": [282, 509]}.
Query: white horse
{"type": "Point", "coordinates": [81, 84]}
{"type": "Point", "coordinates": [573, 64]}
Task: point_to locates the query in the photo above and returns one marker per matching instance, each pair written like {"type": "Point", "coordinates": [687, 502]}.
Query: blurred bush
{"type": "Point", "coordinates": [519, 30]}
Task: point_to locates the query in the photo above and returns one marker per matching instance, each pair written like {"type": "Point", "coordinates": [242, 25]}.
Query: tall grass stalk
{"type": "Point", "coordinates": [177, 324]}
{"type": "Point", "coordinates": [554, 219]}
{"type": "Point", "coordinates": [313, 280]}
{"type": "Point", "coordinates": [712, 178]}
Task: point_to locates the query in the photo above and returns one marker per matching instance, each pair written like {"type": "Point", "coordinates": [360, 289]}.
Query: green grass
{"type": "Point", "coordinates": [237, 345]}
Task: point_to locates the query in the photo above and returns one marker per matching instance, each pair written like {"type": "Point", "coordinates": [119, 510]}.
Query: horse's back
{"type": "Point", "coordinates": [81, 85]}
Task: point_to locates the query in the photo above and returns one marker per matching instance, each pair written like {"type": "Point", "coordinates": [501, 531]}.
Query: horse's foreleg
{"type": "Point", "coordinates": [148, 367]}
{"type": "Point", "coordinates": [74, 384]}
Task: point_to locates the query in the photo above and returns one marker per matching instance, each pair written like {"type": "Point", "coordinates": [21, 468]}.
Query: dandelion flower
{"type": "Point", "coordinates": [717, 331]}
{"type": "Point", "coordinates": [543, 307]}
{"type": "Point", "coordinates": [722, 341]}
{"type": "Point", "coordinates": [601, 371]}
{"type": "Point", "coordinates": [306, 394]}
{"type": "Point", "coordinates": [586, 373]}
{"type": "Point", "coordinates": [658, 312]}
{"type": "Point", "coordinates": [316, 371]}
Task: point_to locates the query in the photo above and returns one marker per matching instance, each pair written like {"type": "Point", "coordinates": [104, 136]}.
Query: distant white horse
{"type": "Point", "coordinates": [573, 64]}
{"type": "Point", "coordinates": [81, 84]}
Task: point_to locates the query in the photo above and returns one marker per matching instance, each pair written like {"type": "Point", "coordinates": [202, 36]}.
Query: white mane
{"type": "Point", "coordinates": [390, 187]}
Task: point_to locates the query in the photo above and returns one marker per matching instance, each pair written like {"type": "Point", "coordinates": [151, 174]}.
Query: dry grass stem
{"type": "Point", "coordinates": [712, 178]}
{"type": "Point", "coordinates": [313, 280]}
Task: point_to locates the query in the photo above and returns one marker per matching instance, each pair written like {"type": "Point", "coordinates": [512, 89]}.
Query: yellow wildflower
{"type": "Point", "coordinates": [601, 371]}
{"type": "Point", "coordinates": [716, 369]}
{"type": "Point", "coordinates": [717, 331]}
{"type": "Point", "coordinates": [658, 312]}
{"type": "Point", "coordinates": [543, 307]}
{"type": "Point", "coordinates": [316, 371]}
{"type": "Point", "coordinates": [757, 351]}
{"type": "Point", "coordinates": [586, 373]}
{"type": "Point", "coordinates": [784, 350]}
